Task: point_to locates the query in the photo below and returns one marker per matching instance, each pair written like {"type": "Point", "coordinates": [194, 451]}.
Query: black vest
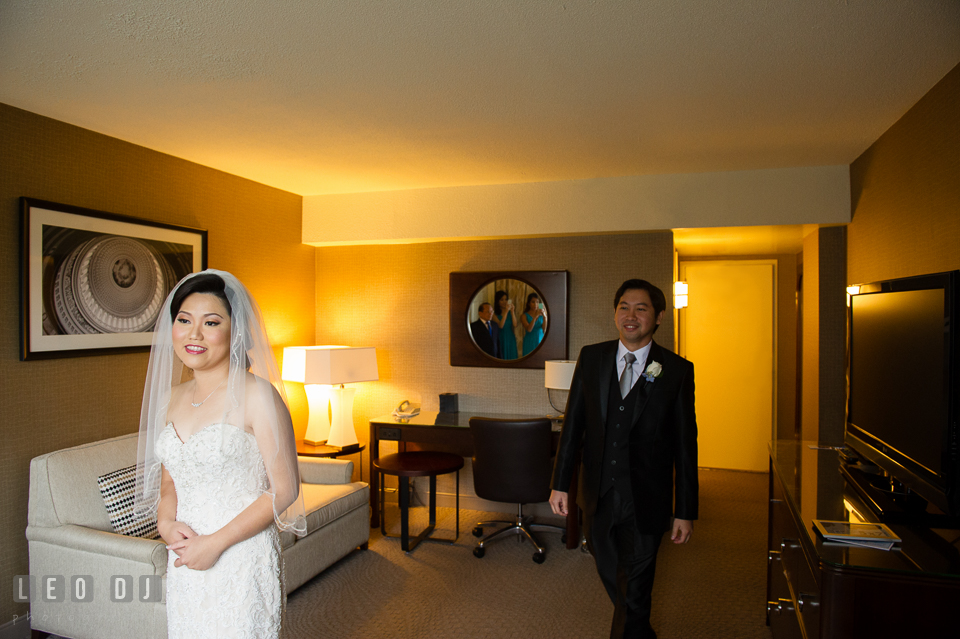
{"type": "Point", "coordinates": [615, 469]}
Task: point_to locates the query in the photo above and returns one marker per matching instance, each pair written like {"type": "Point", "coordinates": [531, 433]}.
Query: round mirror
{"type": "Point", "coordinates": [507, 319]}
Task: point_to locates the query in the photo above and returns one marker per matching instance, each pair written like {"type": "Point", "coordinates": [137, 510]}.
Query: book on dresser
{"type": "Point", "coordinates": [863, 534]}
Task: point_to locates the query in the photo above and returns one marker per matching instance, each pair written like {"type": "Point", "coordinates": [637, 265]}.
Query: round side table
{"type": "Point", "coordinates": [421, 463]}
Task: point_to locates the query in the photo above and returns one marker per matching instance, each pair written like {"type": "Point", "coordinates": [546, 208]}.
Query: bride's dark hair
{"type": "Point", "coordinates": [204, 283]}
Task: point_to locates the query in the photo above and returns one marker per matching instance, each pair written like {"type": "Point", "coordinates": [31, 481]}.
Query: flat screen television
{"type": "Point", "coordinates": [903, 383]}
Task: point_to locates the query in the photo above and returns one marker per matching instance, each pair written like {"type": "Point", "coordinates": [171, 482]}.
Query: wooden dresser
{"type": "Point", "coordinates": [824, 590]}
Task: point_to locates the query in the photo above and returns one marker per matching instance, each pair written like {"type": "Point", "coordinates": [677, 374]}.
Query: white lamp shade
{"type": "Point", "coordinates": [329, 364]}
{"type": "Point", "coordinates": [558, 373]}
{"type": "Point", "coordinates": [318, 367]}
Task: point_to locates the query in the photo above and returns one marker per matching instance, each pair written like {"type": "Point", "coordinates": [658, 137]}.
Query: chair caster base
{"type": "Point", "coordinates": [478, 552]}
{"type": "Point", "coordinates": [539, 557]}
{"type": "Point", "coordinates": [478, 532]}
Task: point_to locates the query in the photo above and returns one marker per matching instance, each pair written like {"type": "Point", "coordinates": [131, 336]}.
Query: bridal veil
{"type": "Point", "coordinates": [253, 377]}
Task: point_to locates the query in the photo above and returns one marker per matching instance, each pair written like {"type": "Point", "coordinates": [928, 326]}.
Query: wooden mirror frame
{"type": "Point", "coordinates": [552, 286]}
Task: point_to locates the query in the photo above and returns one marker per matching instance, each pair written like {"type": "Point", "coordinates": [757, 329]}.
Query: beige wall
{"type": "Point", "coordinates": [787, 426]}
{"type": "Point", "coordinates": [254, 232]}
{"type": "Point", "coordinates": [603, 205]}
{"type": "Point", "coordinates": [396, 298]}
{"type": "Point", "coordinates": [810, 375]}
{"type": "Point", "coordinates": [906, 193]}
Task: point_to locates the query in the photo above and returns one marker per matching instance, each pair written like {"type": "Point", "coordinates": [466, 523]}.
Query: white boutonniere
{"type": "Point", "coordinates": [654, 370]}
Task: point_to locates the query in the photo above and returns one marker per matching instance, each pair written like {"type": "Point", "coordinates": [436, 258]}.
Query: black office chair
{"type": "Point", "coordinates": [512, 463]}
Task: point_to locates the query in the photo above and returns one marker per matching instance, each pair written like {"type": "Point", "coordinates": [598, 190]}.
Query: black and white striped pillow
{"type": "Point", "coordinates": [117, 489]}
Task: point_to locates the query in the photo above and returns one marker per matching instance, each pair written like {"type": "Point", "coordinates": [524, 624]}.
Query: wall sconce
{"type": "Point", "coordinates": [557, 376]}
{"type": "Point", "coordinates": [851, 291]}
{"type": "Point", "coordinates": [327, 369]}
{"type": "Point", "coordinates": [680, 296]}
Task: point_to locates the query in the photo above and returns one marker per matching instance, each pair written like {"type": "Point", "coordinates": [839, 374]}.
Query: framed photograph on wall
{"type": "Point", "coordinates": [93, 283]}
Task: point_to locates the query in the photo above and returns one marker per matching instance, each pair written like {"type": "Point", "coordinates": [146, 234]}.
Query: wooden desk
{"type": "Point", "coordinates": [446, 432]}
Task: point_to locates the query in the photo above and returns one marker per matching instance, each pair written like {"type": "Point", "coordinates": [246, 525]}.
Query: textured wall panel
{"type": "Point", "coordinates": [832, 365]}
{"type": "Point", "coordinates": [906, 193]}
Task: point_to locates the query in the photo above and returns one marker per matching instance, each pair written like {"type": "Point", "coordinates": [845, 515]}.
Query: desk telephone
{"type": "Point", "coordinates": [406, 410]}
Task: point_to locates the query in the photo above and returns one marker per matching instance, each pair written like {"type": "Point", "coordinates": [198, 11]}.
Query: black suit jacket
{"type": "Point", "coordinates": [663, 440]}
{"type": "Point", "coordinates": [483, 338]}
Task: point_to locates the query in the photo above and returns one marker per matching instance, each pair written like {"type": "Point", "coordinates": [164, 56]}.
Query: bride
{"type": "Point", "coordinates": [217, 461]}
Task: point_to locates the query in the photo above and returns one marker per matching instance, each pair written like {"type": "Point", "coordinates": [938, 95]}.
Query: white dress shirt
{"type": "Point", "coordinates": [638, 366]}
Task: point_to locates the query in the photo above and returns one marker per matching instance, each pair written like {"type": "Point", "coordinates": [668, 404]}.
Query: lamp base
{"type": "Point", "coordinates": [562, 399]}
{"type": "Point", "coordinates": [342, 434]}
{"type": "Point", "coordinates": [318, 425]}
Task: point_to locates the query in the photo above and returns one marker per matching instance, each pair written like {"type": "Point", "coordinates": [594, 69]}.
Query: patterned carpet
{"type": "Point", "coordinates": [712, 588]}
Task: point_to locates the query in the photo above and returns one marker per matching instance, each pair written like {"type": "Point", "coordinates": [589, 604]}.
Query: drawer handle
{"type": "Point", "coordinates": [771, 555]}
{"type": "Point", "coordinates": [811, 601]}
{"type": "Point", "coordinates": [778, 606]}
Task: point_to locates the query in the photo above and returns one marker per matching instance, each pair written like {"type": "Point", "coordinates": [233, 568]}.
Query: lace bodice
{"type": "Point", "coordinates": [218, 472]}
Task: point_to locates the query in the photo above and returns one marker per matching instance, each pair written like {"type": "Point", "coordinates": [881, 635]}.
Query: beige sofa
{"type": "Point", "coordinates": [69, 534]}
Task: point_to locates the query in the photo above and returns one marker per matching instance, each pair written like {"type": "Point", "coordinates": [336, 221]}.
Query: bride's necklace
{"type": "Point", "coordinates": [208, 396]}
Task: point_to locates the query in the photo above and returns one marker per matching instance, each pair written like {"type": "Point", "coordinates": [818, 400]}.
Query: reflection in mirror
{"type": "Point", "coordinates": [507, 318]}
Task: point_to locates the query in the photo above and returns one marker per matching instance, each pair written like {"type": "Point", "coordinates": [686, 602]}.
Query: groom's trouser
{"type": "Point", "coordinates": [626, 561]}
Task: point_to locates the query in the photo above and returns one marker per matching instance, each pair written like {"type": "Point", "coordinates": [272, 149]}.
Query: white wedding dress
{"type": "Point", "coordinates": [217, 473]}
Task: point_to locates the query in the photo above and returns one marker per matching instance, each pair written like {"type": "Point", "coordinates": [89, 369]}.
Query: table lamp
{"type": "Point", "coordinates": [557, 376]}
{"type": "Point", "coordinates": [327, 369]}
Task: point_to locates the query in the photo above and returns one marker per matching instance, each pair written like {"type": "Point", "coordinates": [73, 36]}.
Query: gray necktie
{"type": "Point", "coordinates": [626, 379]}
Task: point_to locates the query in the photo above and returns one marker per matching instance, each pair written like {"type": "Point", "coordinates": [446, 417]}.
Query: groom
{"type": "Point", "coordinates": [630, 412]}
{"type": "Point", "coordinates": [485, 332]}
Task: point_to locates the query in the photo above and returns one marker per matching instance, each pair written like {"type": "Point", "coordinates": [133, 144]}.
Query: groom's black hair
{"type": "Point", "coordinates": [656, 295]}
{"type": "Point", "coordinates": [204, 283]}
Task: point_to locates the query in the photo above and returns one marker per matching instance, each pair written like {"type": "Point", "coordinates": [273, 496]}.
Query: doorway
{"type": "Point", "coordinates": [728, 332]}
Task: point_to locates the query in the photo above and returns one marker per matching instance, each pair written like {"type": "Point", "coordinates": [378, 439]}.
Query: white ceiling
{"type": "Point", "coordinates": [345, 96]}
